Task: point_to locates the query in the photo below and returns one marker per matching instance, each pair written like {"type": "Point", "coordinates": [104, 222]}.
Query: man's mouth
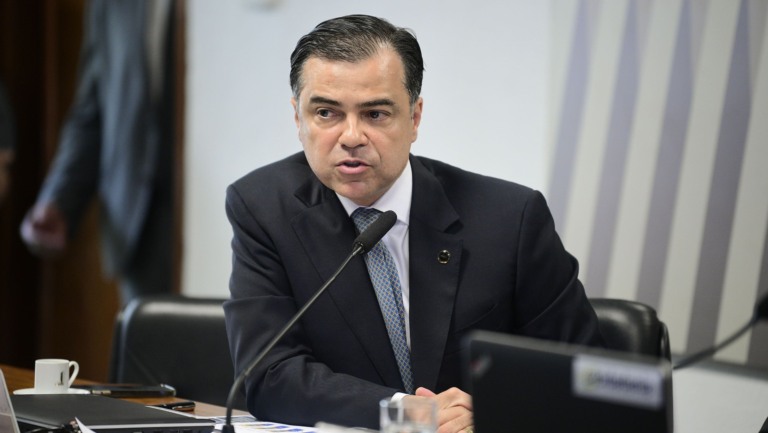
{"type": "Point", "coordinates": [352, 167]}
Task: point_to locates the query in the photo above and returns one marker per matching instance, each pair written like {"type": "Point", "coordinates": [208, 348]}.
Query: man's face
{"type": "Point", "coordinates": [356, 123]}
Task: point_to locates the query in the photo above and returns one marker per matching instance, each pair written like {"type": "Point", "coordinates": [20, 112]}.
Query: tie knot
{"type": "Point", "coordinates": [364, 216]}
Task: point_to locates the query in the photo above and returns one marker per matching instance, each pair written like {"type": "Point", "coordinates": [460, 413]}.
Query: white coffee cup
{"type": "Point", "coordinates": [52, 376]}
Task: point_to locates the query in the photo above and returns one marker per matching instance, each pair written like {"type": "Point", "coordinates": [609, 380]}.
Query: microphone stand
{"type": "Point", "coordinates": [228, 427]}
{"type": "Point", "coordinates": [362, 245]}
{"type": "Point", "coordinates": [761, 312]}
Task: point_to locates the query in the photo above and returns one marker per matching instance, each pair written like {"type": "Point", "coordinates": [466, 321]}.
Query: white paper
{"type": "Point", "coordinates": [83, 428]}
{"type": "Point", "coordinates": [265, 427]}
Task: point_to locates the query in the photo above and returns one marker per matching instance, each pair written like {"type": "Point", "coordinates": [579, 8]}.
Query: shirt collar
{"type": "Point", "coordinates": [397, 198]}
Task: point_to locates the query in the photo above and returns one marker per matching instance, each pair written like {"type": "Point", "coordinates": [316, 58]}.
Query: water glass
{"type": "Point", "coordinates": [408, 415]}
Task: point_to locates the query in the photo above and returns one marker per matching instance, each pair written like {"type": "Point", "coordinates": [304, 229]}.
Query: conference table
{"type": "Point", "coordinates": [20, 378]}
{"type": "Point", "coordinates": [709, 398]}
{"type": "Point", "coordinates": [706, 400]}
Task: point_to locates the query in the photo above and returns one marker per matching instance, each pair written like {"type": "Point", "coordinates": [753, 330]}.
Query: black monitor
{"type": "Point", "coordinates": [524, 385]}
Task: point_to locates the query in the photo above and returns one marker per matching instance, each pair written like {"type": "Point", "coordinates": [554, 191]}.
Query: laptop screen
{"type": "Point", "coordinates": [7, 419]}
{"type": "Point", "coordinates": [525, 385]}
{"type": "Point", "coordinates": [102, 414]}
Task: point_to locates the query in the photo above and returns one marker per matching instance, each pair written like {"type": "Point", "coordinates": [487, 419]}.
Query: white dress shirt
{"type": "Point", "coordinates": [397, 199]}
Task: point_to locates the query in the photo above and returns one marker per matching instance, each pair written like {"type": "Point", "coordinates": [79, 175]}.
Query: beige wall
{"type": "Point", "coordinates": [485, 96]}
{"type": "Point", "coordinates": [643, 121]}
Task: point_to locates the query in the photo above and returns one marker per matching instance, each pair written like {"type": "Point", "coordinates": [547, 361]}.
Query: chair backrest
{"type": "Point", "coordinates": [631, 326]}
{"type": "Point", "coordinates": [178, 341]}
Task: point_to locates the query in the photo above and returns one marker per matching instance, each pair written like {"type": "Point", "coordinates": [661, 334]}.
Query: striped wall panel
{"type": "Point", "coordinates": [659, 159]}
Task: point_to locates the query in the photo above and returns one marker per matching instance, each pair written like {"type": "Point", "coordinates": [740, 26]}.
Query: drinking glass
{"type": "Point", "coordinates": [408, 415]}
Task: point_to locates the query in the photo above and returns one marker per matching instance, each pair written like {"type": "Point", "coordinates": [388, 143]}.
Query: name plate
{"type": "Point", "coordinates": [618, 382]}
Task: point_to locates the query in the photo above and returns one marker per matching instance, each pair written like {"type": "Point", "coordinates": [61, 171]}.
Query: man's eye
{"type": "Point", "coordinates": [323, 112]}
{"type": "Point", "coordinates": [377, 115]}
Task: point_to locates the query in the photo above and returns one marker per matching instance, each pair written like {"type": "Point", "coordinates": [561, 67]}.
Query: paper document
{"type": "Point", "coordinates": [264, 427]}
{"type": "Point", "coordinates": [83, 428]}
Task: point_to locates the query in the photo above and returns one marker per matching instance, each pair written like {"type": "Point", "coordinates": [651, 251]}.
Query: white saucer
{"type": "Point", "coordinates": [28, 391]}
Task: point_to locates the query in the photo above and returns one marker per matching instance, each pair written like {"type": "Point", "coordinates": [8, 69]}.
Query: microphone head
{"type": "Point", "coordinates": [373, 234]}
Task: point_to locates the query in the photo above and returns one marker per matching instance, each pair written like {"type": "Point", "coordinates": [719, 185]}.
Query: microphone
{"type": "Point", "coordinates": [373, 234]}
{"type": "Point", "coordinates": [761, 312]}
{"type": "Point", "coordinates": [362, 244]}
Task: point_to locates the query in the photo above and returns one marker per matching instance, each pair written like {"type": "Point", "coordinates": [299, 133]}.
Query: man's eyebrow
{"type": "Point", "coordinates": [321, 100]}
{"type": "Point", "coordinates": [377, 103]}
{"type": "Point", "coordinates": [324, 101]}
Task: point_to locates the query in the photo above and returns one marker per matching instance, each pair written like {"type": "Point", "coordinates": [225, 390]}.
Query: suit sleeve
{"type": "Point", "coordinates": [73, 178]}
{"type": "Point", "coordinates": [290, 385]}
{"type": "Point", "coordinates": [550, 299]}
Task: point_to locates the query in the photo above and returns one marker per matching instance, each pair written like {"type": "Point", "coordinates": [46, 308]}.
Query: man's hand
{"type": "Point", "coordinates": [44, 230]}
{"type": "Point", "coordinates": [454, 409]}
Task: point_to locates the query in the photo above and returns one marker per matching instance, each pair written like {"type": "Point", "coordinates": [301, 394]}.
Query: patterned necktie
{"type": "Point", "coordinates": [386, 283]}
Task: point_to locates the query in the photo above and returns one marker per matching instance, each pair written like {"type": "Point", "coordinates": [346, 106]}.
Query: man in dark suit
{"type": "Point", "coordinates": [117, 143]}
{"type": "Point", "coordinates": [470, 252]}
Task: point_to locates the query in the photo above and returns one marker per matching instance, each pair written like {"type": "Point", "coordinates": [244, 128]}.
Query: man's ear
{"type": "Point", "coordinates": [416, 116]}
{"type": "Point", "coordinates": [295, 105]}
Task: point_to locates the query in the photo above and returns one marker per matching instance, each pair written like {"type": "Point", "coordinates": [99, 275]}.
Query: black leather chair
{"type": "Point", "coordinates": [631, 326]}
{"type": "Point", "coordinates": [178, 341]}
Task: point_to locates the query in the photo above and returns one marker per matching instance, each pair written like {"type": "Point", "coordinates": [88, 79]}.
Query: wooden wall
{"type": "Point", "coordinates": [62, 307]}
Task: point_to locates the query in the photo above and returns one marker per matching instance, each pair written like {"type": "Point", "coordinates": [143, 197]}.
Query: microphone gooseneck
{"type": "Point", "coordinates": [364, 242]}
{"type": "Point", "coordinates": [760, 313]}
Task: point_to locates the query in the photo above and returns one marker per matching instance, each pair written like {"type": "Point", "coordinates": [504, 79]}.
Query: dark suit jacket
{"type": "Point", "coordinates": [507, 272]}
{"type": "Point", "coordinates": [116, 142]}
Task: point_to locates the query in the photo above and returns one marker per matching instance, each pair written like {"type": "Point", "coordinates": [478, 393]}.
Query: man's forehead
{"type": "Point", "coordinates": [337, 83]}
{"type": "Point", "coordinates": [386, 57]}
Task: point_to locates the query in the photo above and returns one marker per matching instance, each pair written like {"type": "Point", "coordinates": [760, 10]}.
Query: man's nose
{"type": "Point", "coordinates": [353, 134]}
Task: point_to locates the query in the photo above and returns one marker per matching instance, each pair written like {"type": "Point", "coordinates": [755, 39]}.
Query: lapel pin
{"type": "Point", "coordinates": [443, 257]}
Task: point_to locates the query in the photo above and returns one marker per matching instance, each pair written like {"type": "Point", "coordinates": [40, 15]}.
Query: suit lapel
{"type": "Point", "coordinates": [434, 276]}
{"type": "Point", "coordinates": [326, 232]}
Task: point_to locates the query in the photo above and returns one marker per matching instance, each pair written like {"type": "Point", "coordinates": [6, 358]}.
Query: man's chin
{"type": "Point", "coordinates": [360, 196]}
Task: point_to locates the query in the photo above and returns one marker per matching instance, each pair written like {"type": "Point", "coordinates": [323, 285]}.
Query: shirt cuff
{"type": "Point", "coordinates": [398, 396]}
